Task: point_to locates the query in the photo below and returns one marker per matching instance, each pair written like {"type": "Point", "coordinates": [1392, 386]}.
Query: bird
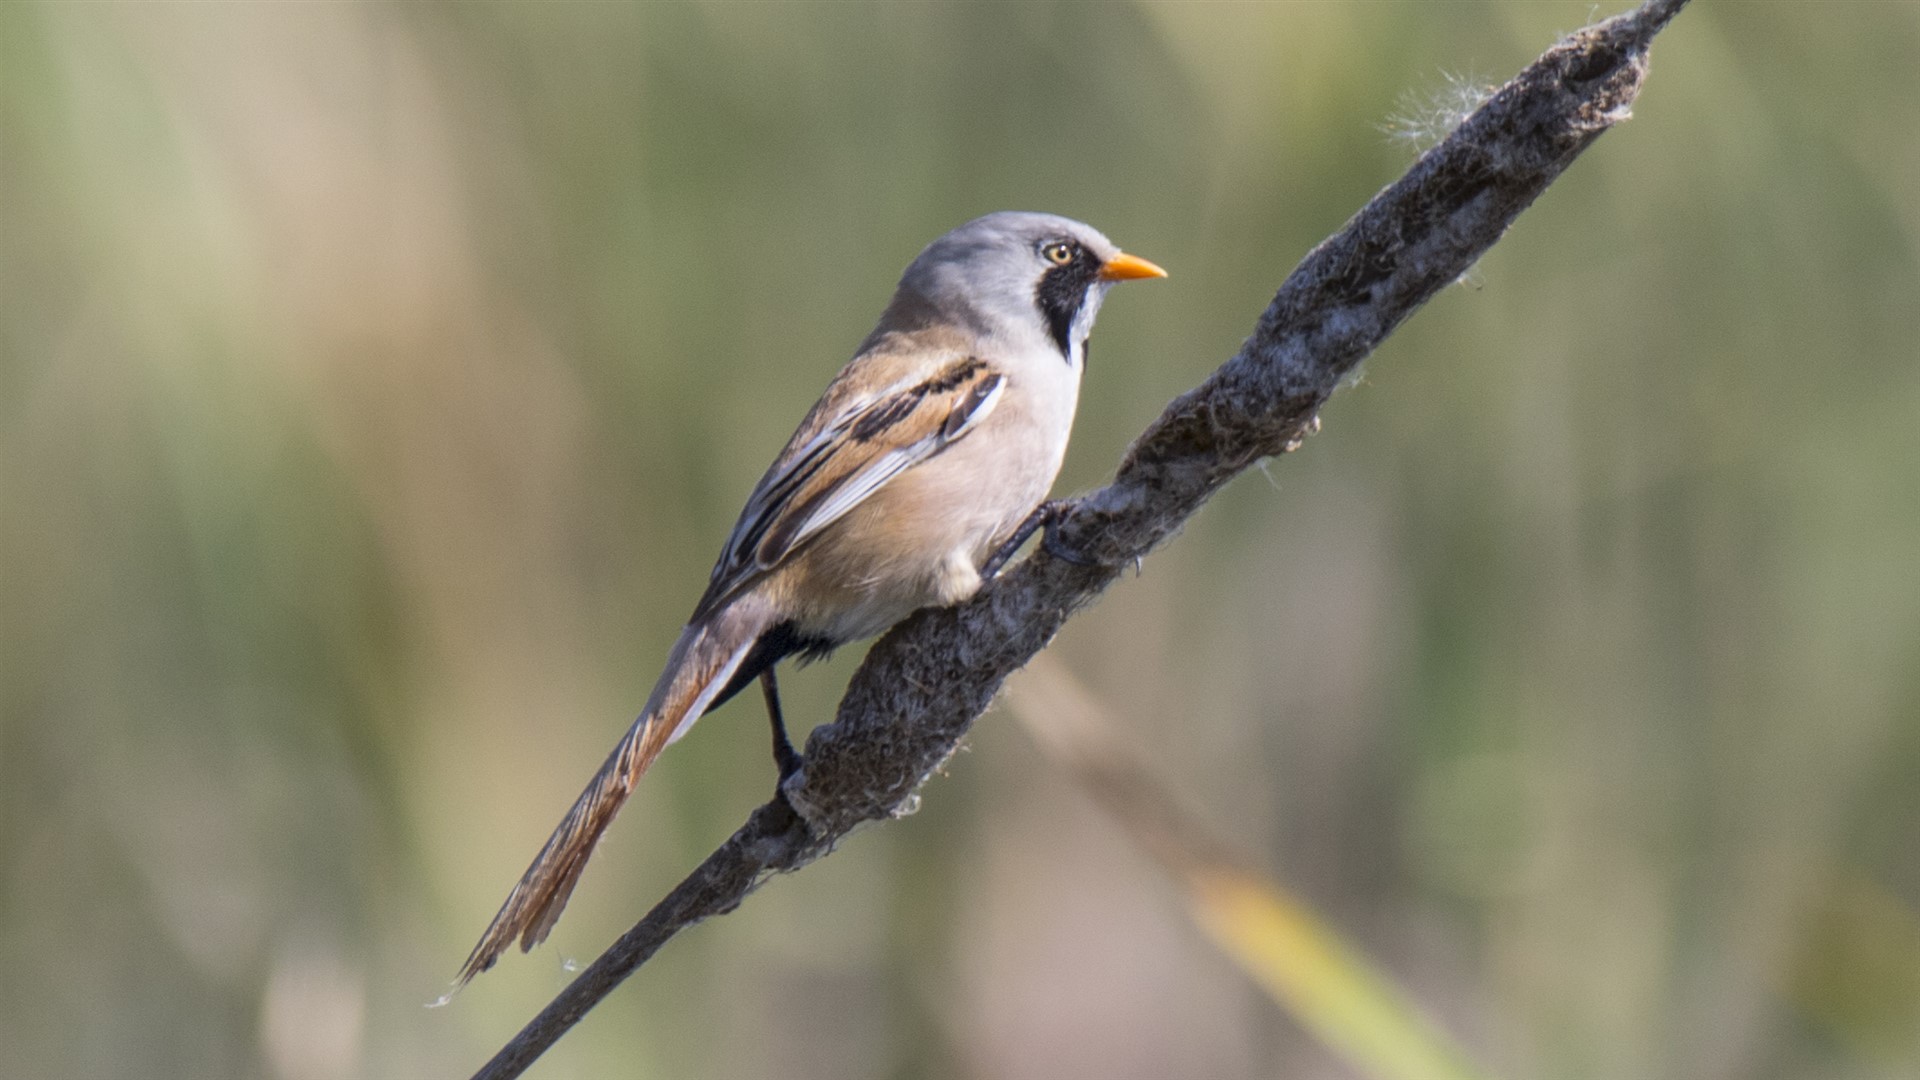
{"type": "Point", "coordinates": [924, 465]}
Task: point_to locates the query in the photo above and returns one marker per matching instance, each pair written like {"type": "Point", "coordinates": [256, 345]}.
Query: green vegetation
{"type": "Point", "coordinates": [378, 381]}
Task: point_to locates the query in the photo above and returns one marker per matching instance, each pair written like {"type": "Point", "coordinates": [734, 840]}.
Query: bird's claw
{"type": "Point", "coordinates": [1051, 541]}
{"type": "Point", "coordinates": [1044, 516]}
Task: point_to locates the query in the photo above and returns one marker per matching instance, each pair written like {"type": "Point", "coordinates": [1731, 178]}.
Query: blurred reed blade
{"type": "Point", "coordinates": [1293, 954]}
{"type": "Point", "coordinates": [1856, 971]}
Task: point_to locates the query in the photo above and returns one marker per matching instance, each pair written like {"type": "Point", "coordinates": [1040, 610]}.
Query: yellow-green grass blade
{"type": "Point", "coordinates": [1302, 963]}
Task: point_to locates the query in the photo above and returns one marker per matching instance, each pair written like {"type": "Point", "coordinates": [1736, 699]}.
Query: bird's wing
{"type": "Point", "coordinates": [847, 449]}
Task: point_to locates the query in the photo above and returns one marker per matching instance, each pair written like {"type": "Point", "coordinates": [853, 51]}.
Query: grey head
{"type": "Point", "coordinates": [1030, 280]}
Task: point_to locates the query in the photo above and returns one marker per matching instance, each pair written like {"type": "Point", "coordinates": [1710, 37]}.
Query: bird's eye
{"type": "Point", "coordinates": [1057, 253]}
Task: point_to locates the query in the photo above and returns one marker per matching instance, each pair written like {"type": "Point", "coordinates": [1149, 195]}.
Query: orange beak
{"type": "Point", "coordinates": [1124, 267]}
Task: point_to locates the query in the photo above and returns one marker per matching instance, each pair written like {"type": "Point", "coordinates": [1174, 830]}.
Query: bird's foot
{"type": "Point", "coordinates": [787, 759]}
{"type": "Point", "coordinates": [1044, 516]}
{"type": "Point", "coordinates": [1059, 550]}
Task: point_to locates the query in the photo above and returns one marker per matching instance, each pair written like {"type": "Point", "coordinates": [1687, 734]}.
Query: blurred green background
{"type": "Point", "coordinates": [380, 380]}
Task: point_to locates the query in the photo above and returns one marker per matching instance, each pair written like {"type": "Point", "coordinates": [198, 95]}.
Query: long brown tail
{"type": "Point", "coordinates": [701, 663]}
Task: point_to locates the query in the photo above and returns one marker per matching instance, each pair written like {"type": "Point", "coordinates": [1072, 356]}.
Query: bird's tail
{"type": "Point", "coordinates": [702, 663]}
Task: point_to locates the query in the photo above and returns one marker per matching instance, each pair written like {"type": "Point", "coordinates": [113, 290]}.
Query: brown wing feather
{"type": "Point", "coordinates": [838, 458]}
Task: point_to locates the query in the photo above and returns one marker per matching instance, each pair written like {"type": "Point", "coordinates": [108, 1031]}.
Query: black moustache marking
{"type": "Point", "coordinates": [1061, 293]}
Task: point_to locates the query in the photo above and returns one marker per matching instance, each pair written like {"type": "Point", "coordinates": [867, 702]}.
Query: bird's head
{"type": "Point", "coordinates": [1023, 277]}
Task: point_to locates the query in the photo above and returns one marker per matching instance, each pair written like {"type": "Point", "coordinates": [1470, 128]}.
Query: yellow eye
{"type": "Point", "coordinates": [1057, 254]}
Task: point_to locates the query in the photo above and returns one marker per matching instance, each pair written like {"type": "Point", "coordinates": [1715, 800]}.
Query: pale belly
{"type": "Point", "coordinates": [919, 540]}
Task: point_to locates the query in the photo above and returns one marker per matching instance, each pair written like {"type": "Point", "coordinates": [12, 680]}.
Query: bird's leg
{"type": "Point", "coordinates": [784, 755]}
{"type": "Point", "coordinates": [1043, 516]}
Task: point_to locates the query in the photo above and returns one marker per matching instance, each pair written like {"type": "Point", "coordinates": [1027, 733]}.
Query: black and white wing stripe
{"type": "Point", "coordinates": [840, 457]}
